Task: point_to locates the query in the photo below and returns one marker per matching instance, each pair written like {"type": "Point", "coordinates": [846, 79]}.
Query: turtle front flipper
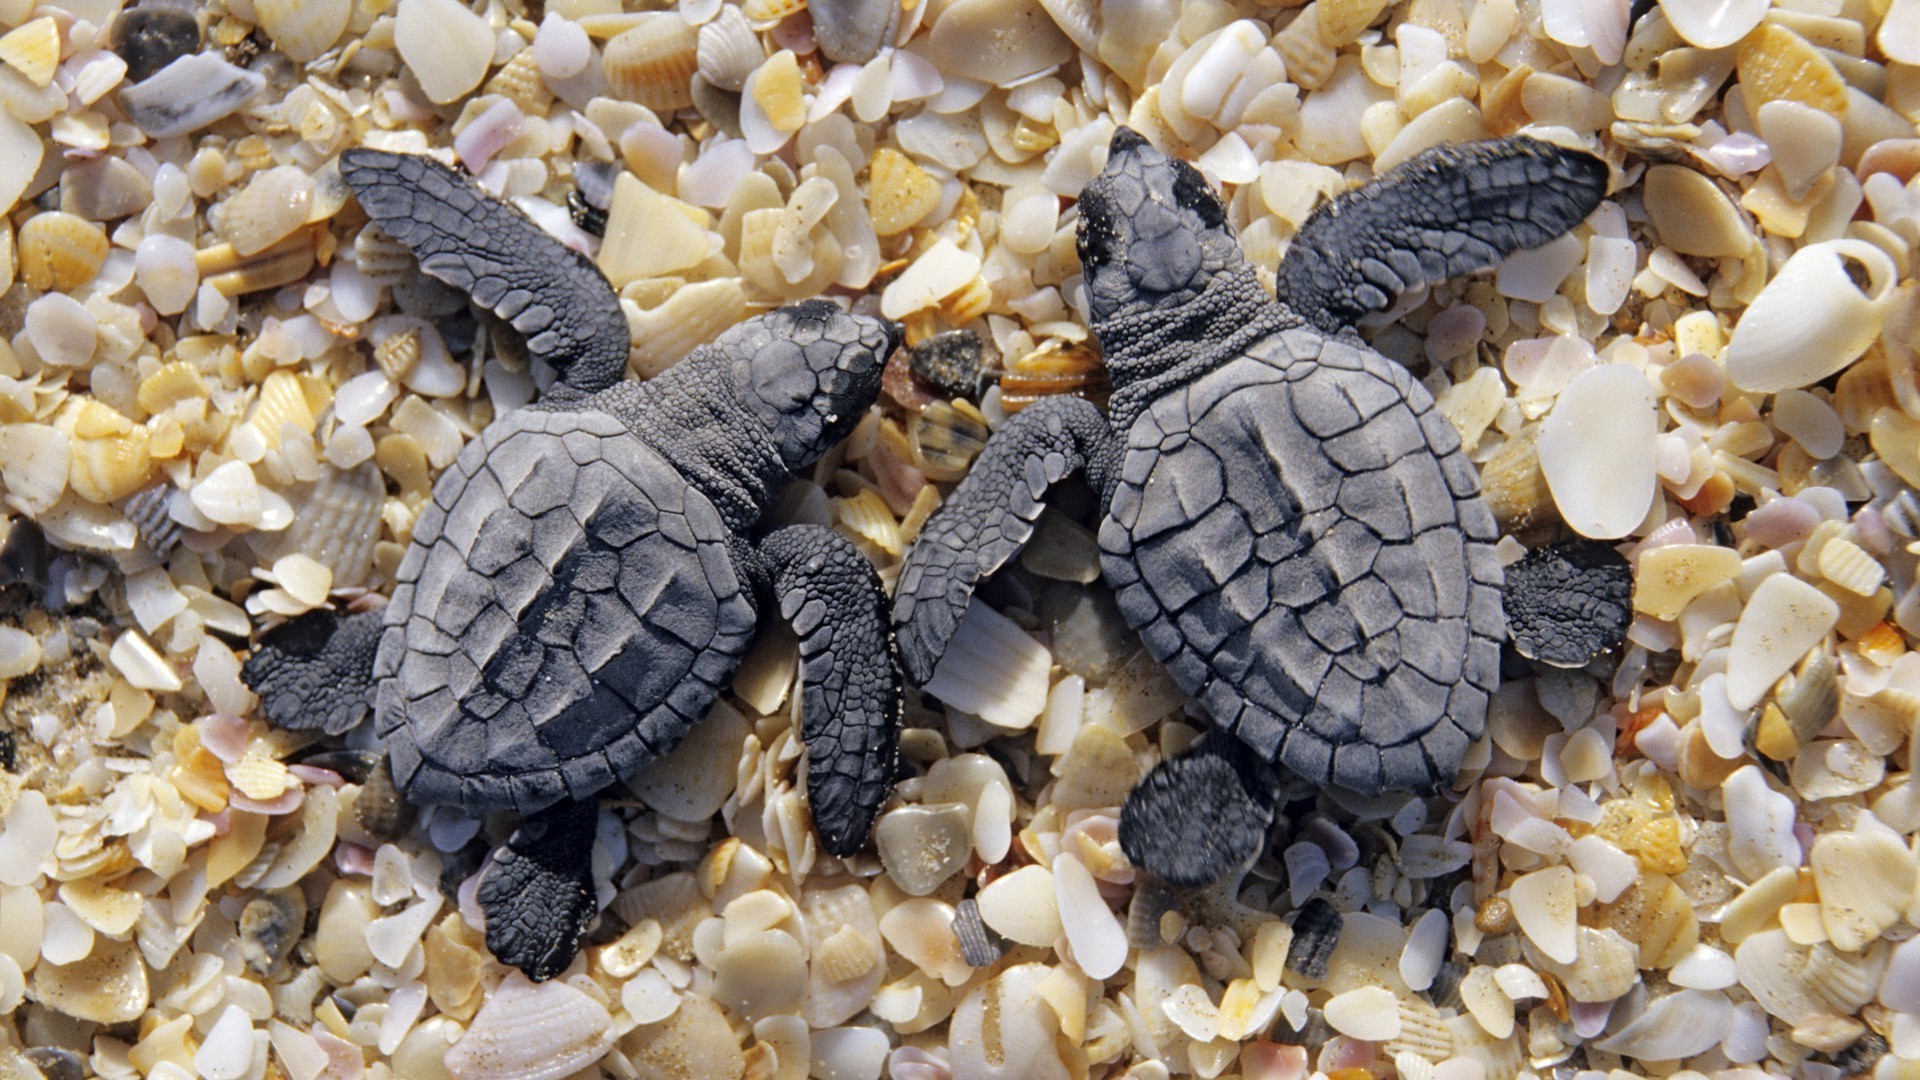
{"type": "Point", "coordinates": [487, 249]}
{"type": "Point", "coordinates": [538, 895]}
{"type": "Point", "coordinates": [850, 693]}
{"type": "Point", "coordinates": [1198, 817]}
{"type": "Point", "coordinates": [1449, 211]}
{"type": "Point", "coordinates": [990, 516]}
{"type": "Point", "coordinates": [315, 672]}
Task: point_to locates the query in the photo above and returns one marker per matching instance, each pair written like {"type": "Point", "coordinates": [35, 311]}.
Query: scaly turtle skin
{"type": "Point", "coordinates": [587, 576]}
{"type": "Point", "coordinates": [1288, 522]}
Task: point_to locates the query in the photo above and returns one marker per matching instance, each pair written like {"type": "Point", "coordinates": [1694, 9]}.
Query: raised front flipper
{"type": "Point", "coordinates": [850, 693]}
{"type": "Point", "coordinates": [1199, 816]}
{"type": "Point", "coordinates": [315, 672]}
{"type": "Point", "coordinates": [991, 515]}
{"type": "Point", "coordinates": [551, 294]}
{"type": "Point", "coordinates": [538, 896]}
{"type": "Point", "coordinates": [1449, 211]}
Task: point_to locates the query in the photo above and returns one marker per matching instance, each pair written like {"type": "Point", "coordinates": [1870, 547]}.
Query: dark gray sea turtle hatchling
{"type": "Point", "coordinates": [1288, 522]}
{"type": "Point", "coordinates": [587, 575]}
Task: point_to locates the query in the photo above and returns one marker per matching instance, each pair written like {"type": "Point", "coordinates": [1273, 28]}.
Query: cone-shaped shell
{"type": "Point", "coordinates": [1813, 318]}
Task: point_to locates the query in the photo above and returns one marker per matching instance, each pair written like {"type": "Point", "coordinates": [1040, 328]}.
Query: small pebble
{"type": "Point", "coordinates": [150, 38]}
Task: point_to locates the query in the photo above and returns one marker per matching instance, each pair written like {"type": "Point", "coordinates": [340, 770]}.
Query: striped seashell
{"type": "Point", "coordinates": [303, 29]}
{"type": "Point", "coordinates": [33, 49]}
{"type": "Point", "coordinates": [520, 82]}
{"type": "Point", "coordinates": [728, 50]}
{"type": "Point", "coordinates": [337, 523]}
{"type": "Point", "coordinates": [148, 509]}
{"type": "Point", "coordinates": [654, 62]}
{"type": "Point", "coordinates": [766, 12]}
{"type": "Point", "coordinates": [384, 260]}
{"type": "Point", "coordinates": [1309, 58]}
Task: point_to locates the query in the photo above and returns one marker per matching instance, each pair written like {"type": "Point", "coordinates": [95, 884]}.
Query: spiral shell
{"type": "Point", "coordinates": [1812, 319]}
{"type": "Point", "coordinates": [653, 63]}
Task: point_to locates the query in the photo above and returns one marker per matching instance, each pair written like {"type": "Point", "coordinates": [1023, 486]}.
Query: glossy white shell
{"type": "Point", "coordinates": [1811, 320]}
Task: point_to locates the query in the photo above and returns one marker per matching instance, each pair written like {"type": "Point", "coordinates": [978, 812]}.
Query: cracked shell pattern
{"type": "Point", "coordinates": [1298, 537]}
{"type": "Point", "coordinates": [568, 609]}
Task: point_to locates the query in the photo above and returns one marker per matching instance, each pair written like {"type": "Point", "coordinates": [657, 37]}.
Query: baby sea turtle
{"type": "Point", "coordinates": [587, 575]}
{"type": "Point", "coordinates": [1288, 522]}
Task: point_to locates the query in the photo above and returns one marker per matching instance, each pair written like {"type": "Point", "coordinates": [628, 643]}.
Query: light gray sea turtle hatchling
{"type": "Point", "coordinates": [587, 575]}
{"type": "Point", "coordinates": [1288, 522]}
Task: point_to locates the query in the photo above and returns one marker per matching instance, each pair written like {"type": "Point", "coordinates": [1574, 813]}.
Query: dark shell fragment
{"type": "Point", "coordinates": [1316, 932]}
{"type": "Point", "coordinates": [950, 361]}
{"type": "Point", "coordinates": [979, 946]}
{"type": "Point", "coordinates": [150, 38]}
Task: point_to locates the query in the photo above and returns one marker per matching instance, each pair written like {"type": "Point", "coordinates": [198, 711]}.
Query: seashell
{"type": "Point", "coordinates": [108, 986]}
{"type": "Point", "coordinates": [899, 192]}
{"type": "Point", "coordinates": [1849, 566]}
{"type": "Point", "coordinates": [760, 974]}
{"type": "Point", "coordinates": [728, 50]}
{"type": "Point", "coordinates": [1655, 915]}
{"type": "Point", "coordinates": [1783, 619]}
{"type": "Point", "coordinates": [694, 1041]}
{"type": "Point", "coordinates": [1021, 907]}
{"type": "Point", "coordinates": [150, 512]}
{"type": "Point", "coordinates": [1673, 1027]}
{"type": "Point", "coordinates": [1610, 407]}
{"type": "Point", "coordinates": [867, 515]}
{"type": "Point", "coordinates": [993, 670]}
{"type": "Point", "coordinates": [112, 467]}
{"type": "Point", "coordinates": [63, 332]}
{"type": "Point", "coordinates": [1423, 1032]}
{"type": "Point", "coordinates": [960, 28]}
{"type": "Point", "coordinates": [270, 925]}
{"type": "Point", "coordinates": [854, 31]}
{"type": "Point", "coordinates": [303, 29]}
{"type": "Point", "coordinates": [234, 274]}
{"type": "Point", "coordinates": [1316, 933]}
{"type": "Point", "coordinates": [980, 946]}
{"type": "Point", "coordinates": [1692, 215]}
{"type": "Point", "coordinates": [1713, 24]}
{"type": "Point", "coordinates": [529, 1029]}
{"type": "Point", "coordinates": [921, 931]}
{"type": "Point", "coordinates": [847, 962]}
{"type": "Point", "coordinates": [381, 258]}
{"type": "Point", "coordinates": [59, 252]}
{"type": "Point", "coordinates": [1342, 21]}
{"type": "Point", "coordinates": [188, 94]}
{"type": "Point", "coordinates": [1774, 63]}
{"type": "Point", "coordinates": [1308, 55]}
{"type": "Point", "coordinates": [1056, 367]}
{"type": "Point", "coordinates": [520, 81]}
{"type": "Point", "coordinates": [338, 523]}
{"type": "Point", "coordinates": [1813, 319]}
{"type": "Point", "coordinates": [923, 846]}
{"type": "Point", "coordinates": [1004, 1030]}
{"type": "Point", "coordinates": [654, 62]}
{"type": "Point", "coordinates": [1863, 886]}
{"type": "Point", "coordinates": [1606, 966]}
{"type": "Point", "coordinates": [445, 44]}
{"type": "Point", "coordinates": [33, 49]}
{"type": "Point", "coordinates": [762, 12]}
{"type": "Point", "coordinates": [945, 437]}
{"type": "Point", "coordinates": [1096, 936]}
{"type": "Point", "coordinates": [272, 205]}
{"type": "Point", "coordinates": [1369, 1012]}
{"type": "Point", "coordinates": [679, 784]}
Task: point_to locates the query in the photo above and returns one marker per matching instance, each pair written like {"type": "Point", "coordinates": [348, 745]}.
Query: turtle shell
{"type": "Point", "coordinates": [1298, 537]}
{"type": "Point", "coordinates": [569, 607]}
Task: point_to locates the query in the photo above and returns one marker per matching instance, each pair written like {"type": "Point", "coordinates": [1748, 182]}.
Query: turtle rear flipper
{"type": "Point", "coordinates": [315, 672]}
{"type": "Point", "coordinates": [990, 516]}
{"type": "Point", "coordinates": [487, 249]}
{"type": "Point", "coordinates": [538, 895]}
{"type": "Point", "coordinates": [1449, 211]}
{"type": "Point", "coordinates": [1198, 817]}
{"type": "Point", "coordinates": [850, 692]}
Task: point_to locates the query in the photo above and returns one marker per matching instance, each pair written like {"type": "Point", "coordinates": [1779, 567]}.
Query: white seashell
{"type": "Point", "coordinates": [337, 524]}
{"type": "Point", "coordinates": [191, 93]}
{"type": "Point", "coordinates": [228, 1049]}
{"type": "Point", "coordinates": [1782, 620]}
{"type": "Point", "coordinates": [1004, 1030]}
{"type": "Point", "coordinates": [728, 50]}
{"type": "Point", "coordinates": [561, 47]}
{"type": "Point", "coordinates": [303, 29]}
{"type": "Point", "coordinates": [532, 1031]}
{"type": "Point", "coordinates": [1811, 320]}
{"type": "Point", "coordinates": [446, 45]}
{"type": "Point", "coordinates": [649, 998]}
{"type": "Point", "coordinates": [20, 145]}
{"type": "Point", "coordinates": [1809, 421]}
{"type": "Point", "coordinates": [1713, 24]}
{"type": "Point", "coordinates": [1673, 1027]}
{"type": "Point", "coordinates": [1900, 988]}
{"type": "Point", "coordinates": [108, 986]}
{"type": "Point", "coordinates": [1597, 450]}
{"type": "Point", "coordinates": [272, 205]}
{"type": "Point", "coordinates": [1022, 907]}
{"type": "Point", "coordinates": [848, 1051]}
{"type": "Point", "coordinates": [26, 839]}
{"type": "Point", "coordinates": [63, 331]}
{"type": "Point", "coordinates": [487, 134]}
{"type": "Point", "coordinates": [685, 784]}
{"type": "Point", "coordinates": [923, 846]}
{"type": "Point", "coordinates": [847, 965]}
{"type": "Point", "coordinates": [1544, 904]}
{"type": "Point", "coordinates": [1369, 1012]}
{"type": "Point", "coordinates": [761, 974]}
{"type": "Point", "coordinates": [1098, 940]}
{"type": "Point", "coordinates": [163, 267]}
{"type": "Point", "coordinates": [1759, 823]}
{"type": "Point", "coordinates": [1865, 877]}
{"type": "Point", "coordinates": [992, 669]}
{"type": "Point", "coordinates": [1899, 35]}
{"type": "Point", "coordinates": [1804, 141]}
{"type": "Point", "coordinates": [921, 931]}
{"type": "Point", "coordinates": [33, 49]}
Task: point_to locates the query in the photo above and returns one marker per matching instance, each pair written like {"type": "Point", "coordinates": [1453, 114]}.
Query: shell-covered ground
{"type": "Point", "coordinates": [223, 400]}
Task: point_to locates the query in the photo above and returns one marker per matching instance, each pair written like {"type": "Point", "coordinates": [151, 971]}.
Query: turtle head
{"type": "Point", "coordinates": [808, 373]}
{"type": "Point", "coordinates": [1152, 232]}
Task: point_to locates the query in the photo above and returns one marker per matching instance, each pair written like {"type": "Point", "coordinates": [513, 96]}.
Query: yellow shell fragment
{"type": "Point", "coordinates": [33, 49]}
{"type": "Point", "coordinates": [1670, 577]}
{"type": "Point", "coordinates": [1777, 64]}
{"type": "Point", "coordinates": [900, 194]}
{"type": "Point", "coordinates": [60, 252]}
